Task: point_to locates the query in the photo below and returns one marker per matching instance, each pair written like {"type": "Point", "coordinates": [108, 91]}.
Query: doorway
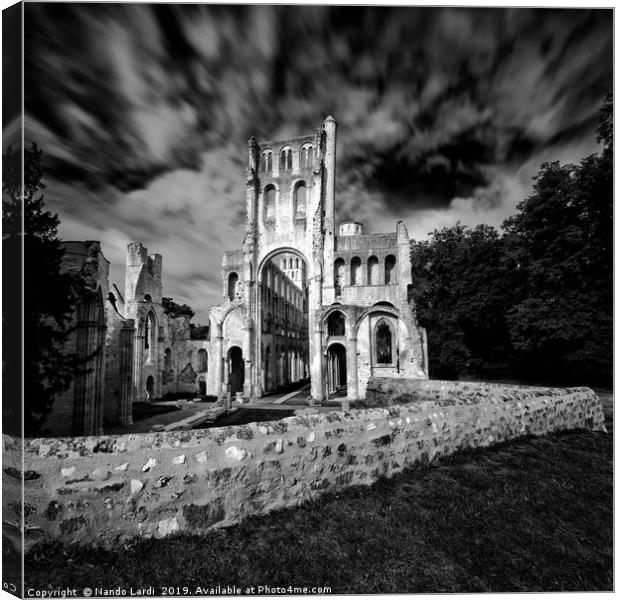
{"type": "Point", "coordinates": [336, 368]}
{"type": "Point", "coordinates": [150, 388]}
{"type": "Point", "coordinates": [236, 370]}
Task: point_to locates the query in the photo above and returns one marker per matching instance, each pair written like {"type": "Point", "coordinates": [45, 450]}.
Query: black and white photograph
{"type": "Point", "coordinates": [306, 299]}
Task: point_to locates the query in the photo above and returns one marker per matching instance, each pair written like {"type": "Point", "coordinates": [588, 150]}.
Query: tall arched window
{"type": "Point", "coordinates": [286, 159]}
{"type": "Point", "coordinates": [150, 335]}
{"type": "Point", "coordinates": [338, 275]}
{"type": "Point", "coordinates": [390, 272]}
{"type": "Point", "coordinates": [203, 361]}
{"type": "Point", "coordinates": [168, 359]}
{"type": "Point", "coordinates": [300, 199]}
{"type": "Point", "coordinates": [335, 323]}
{"type": "Point", "coordinates": [269, 199]}
{"type": "Point", "coordinates": [356, 271]}
{"type": "Point", "coordinates": [233, 278]}
{"type": "Point", "coordinates": [306, 157]}
{"type": "Point", "coordinates": [383, 343]}
{"type": "Point", "coordinates": [373, 271]}
{"type": "Point", "coordinates": [266, 161]}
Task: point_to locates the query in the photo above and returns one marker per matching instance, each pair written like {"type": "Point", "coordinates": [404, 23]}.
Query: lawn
{"type": "Point", "coordinates": [530, 515]}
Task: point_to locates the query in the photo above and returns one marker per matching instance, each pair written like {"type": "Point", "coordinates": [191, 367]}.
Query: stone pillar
{"type": "Point", "coordinates": [247, 358]}
{"type": "Point", "coordinates": [352, 374]}
{"type": "Point", "coordinates": [138, 346]}
{"type": "Point", "coordinates": [329, 126]}
{"type": "Point", "coordinates": [315, 341]}
{"type": "Point", "coordinates": [381, 270]}
{"type": "Point", "coordinates": [219, 360]}
{"type": "Point", "coordinates": [100, 377]}
{"type": "Point", "coordinates": [364, 272]}
{"type": "Point", "coordinates": [346, 280]}
{"type": "Point", "coordinates": [125, 370]}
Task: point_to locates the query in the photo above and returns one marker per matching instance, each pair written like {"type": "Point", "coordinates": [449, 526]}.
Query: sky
{"type": "Point", "coordinates": [143, 112]}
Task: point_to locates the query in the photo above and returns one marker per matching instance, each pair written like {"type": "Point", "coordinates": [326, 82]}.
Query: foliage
{"type": "Point", "coordinates": [563, 238]}
{"type": "Point", "coordinates": [461, 297]}
{"type": "Point", "coordinates": [173, 309]}
{"type": "Point", "coordinates": [536, 302]}
{"type": "Point", "coordinates": [48, 299]}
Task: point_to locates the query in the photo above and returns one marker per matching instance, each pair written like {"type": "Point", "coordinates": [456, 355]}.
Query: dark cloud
{"type": "Point", "coordinates": [440, 110]}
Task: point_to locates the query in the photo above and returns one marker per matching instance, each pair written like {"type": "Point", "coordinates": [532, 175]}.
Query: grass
{"type": "Point", "coordinates": [144, 410]}
{"type": "Point", "coordinates": [530, 515]}
{"type": "Point", "coordinates": [248, 415]}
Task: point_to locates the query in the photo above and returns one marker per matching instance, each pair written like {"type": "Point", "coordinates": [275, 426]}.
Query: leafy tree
{"type": "Point", "coordinates": [173, 309]}
{"type": "Point", "coordinates": [536, 302]}
{"type": "Point", "coordinates": [461, 297]}
{"type": "Point", "coordinates": [48, 300]}
{"type": "Point", "coordinates": [562, 241]}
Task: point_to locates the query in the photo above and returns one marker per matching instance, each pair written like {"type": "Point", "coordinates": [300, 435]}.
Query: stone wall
{"type": "Point", "coordinates": [104, 490]}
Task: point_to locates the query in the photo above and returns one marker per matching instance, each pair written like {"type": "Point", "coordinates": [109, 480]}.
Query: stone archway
{"type": "Point", "coordinates": [336, 368]}
{"type": "Point", "coordinates": [235, 369]}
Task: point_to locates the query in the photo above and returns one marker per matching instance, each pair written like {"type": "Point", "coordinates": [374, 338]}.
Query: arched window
{"type": "Point", "coordinates": [203, 361]}
{"type": "Point", "coordinates": [356, 271]}
{"type": "Point", "coordinates": [338, 275]}
{"type": "Point", "coordinates": [150, 335]}
{"type": "Point", "coordinates": [168, 359]}
{"type": "Point", "coordinates": [373, 271]}
{"type": "Point", "coordinates": [233, 278]}
{"type": "Point", "coordinates": [147, 298]}
{"type": "Point", "coordinates": [306, 157]}
{"type": "Point", "coordinates": [267, 161]}
{"type": "Point", "coordinates": [390, 273]}
{"type": "Point", "coordinates": [383, 343]}
{"type": "Point", "coordinates": [300, 199]}
{"type": "Point", "coordinates": [286, 159]}
{"type": "Point", "coordinates": [335, 323]}
{"type": "Point", "coordinates": [269, 199]}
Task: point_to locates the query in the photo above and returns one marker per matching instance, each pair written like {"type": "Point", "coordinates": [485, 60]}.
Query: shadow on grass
{"type": "Point", "coordinates": [529, 515]}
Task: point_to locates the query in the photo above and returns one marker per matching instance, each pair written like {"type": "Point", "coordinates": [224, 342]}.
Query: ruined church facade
{"type": "Point", "coordinates": [304, 299]}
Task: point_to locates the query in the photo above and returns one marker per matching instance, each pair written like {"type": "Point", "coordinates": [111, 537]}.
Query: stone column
{"type": "Point", "coordinates": [126, 342]}
{"type": "Point", "coordinates": [315, 331]}
{"type": "Point", "coordinates": [364, 272]}
{"type": "Point", "coordinates": [346, 280]}
{"type": "Point", "coordinates": [138, 346]}
{"type": "Point", "coordinates": [247, 358]}
{"type": "Point", "coordinates": [352, 374]}
{"type": "Point", "coordinates": [219, 360]}
{"type": "Point", "coordinates": [100, 377]}
{"type": "Point", "coordinates": [329, 160]}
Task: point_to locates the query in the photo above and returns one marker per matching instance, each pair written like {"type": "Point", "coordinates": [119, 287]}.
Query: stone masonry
{"type": "Point", "coordinates": [104, 490]}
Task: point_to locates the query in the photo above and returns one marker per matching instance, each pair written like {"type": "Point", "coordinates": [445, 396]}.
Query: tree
{"type": "Point", "coordinates": [461, 296]}
{"type": "Point", "coordinates": [562, 241]}
{"type": "Point", "coordinates": [48, 300]}
{"type": "Point", "coordinates": [173, 309]}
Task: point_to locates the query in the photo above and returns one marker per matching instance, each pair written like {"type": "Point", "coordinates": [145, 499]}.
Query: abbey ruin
{"type": "Point", "coordinates": [305, 297]}
{"type": "Point", "coordinates": [304, 300]}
